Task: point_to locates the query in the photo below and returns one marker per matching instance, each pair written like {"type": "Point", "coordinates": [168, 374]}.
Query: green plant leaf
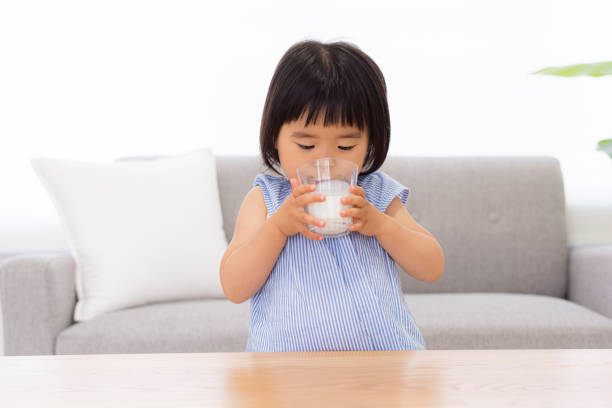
{"type": "Point", "coordinates": [595, 69]}
{"type": "Point", "coordinates": [605, 146]}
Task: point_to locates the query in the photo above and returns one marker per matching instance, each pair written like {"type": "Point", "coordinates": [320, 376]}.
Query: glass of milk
{"type": "Point", "coordinates": [332, 177]}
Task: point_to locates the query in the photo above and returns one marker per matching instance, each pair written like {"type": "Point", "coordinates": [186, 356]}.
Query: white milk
{"type": "Point", "coordinates": [329, 210]}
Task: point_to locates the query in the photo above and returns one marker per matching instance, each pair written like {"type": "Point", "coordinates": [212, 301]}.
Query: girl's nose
{"type": "Point", "coordinates": [326, 155]}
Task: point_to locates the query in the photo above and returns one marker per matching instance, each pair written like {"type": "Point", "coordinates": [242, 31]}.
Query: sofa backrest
{"type": "Point", "coordinates": [500, 220]}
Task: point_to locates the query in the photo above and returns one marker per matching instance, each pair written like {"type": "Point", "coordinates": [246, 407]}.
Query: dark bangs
{"type": "Point", "coordinates": [337, 80]}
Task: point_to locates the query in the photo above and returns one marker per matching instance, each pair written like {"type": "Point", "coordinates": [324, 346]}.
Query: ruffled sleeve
{"type": "Point", "coordinates": [381, 189]}
{"type": "Point", "coordinates": [275, 189]}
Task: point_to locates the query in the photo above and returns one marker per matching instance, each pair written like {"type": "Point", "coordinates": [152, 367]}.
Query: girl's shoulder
{"type": "Point", "coordinates": [266, 181]}
{"type": "Point", "coordinates": [381, 188]}
{"type": "Point", "coordinates": [273, 188]}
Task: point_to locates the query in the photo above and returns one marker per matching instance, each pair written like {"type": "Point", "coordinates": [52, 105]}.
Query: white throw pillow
{"type": "Point", "coordinates": [140, 231]}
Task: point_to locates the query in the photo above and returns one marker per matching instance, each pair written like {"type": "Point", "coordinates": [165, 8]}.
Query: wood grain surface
{"type": "Point", "coordinates": [427, 378]}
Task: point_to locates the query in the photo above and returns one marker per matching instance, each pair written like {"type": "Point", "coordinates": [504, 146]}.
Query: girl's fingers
{"type": "Point", "coordinates": [358, 190]}
{"type": "Point", "coordinates": [355, 200]}
{"type": "Point", "coordinates": [309, 198]}
{"type": "Point", "coordinates": [309, 234]}
{"type": "Point", "coordinates": [355, 226]}
{"type": "Point", "coordinates": [300, 189]}
{"type": "Point", "coordinates": [350, 212]}
{"type": "Point", "coordinates": [309, 219]}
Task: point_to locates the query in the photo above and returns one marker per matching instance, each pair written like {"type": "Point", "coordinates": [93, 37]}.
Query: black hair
{"type": "Point", "coordinates": [336, 77]}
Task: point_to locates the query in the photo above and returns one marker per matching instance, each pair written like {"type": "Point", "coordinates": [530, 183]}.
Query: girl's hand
{"type": "Point", "coordinates": [366, 218]}
{"type": "Point", "coordinates": [290, 218]}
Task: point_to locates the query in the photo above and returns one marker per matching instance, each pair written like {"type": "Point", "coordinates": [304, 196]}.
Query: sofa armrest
{"type": "Point", "coordinates": [38, 296]}
{"type": "Point", "coordinates": [590, 278]}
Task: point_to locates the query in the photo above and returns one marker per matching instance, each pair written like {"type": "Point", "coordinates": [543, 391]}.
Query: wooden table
{"type": "Point", "coordinates": [428, 378]}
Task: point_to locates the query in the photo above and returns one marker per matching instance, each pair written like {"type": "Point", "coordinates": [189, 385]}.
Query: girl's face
{"type": "Point", "coordinates": [298, 144]}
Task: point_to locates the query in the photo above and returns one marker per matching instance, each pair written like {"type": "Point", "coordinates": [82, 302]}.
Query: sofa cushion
{"type": "Point", "coordinates": [140, 231]}
{"type": "Point", "coordinates": [507, 320]}
{"type": "Point", "coordinates": [210, 325]}
{"type": "Point", "coordinates": [447, 321]}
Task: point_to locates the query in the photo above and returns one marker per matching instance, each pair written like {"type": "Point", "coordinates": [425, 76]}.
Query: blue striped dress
{"type": "Point", "coordinates": [336, 294]}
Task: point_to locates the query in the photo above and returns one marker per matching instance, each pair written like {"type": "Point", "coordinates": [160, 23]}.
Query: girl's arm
{"type": "Point", "coordinates": [254, 249]}
{"type": "Point", "coordinates": [410, 245]}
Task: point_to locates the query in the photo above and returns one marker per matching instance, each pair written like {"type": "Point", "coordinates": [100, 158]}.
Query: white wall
{"type": "Point", "coordinates": [98, 80]}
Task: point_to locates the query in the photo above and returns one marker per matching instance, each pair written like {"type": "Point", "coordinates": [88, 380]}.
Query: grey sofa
{"type": "Point", "coordinates": [510, 279]}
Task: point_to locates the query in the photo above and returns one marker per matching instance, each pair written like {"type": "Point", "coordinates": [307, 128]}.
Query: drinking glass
{"type": "Point", "coordinates": [332, 177]}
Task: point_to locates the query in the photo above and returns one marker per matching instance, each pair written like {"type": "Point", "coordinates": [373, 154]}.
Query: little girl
{"type": "Point", "coordinates": [343, 293]}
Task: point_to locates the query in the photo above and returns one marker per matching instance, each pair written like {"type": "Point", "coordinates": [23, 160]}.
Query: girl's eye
{"type": "Point", "coordinates": [310, 147]}
{"type": "Point", "coordinates": [305, 147]}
